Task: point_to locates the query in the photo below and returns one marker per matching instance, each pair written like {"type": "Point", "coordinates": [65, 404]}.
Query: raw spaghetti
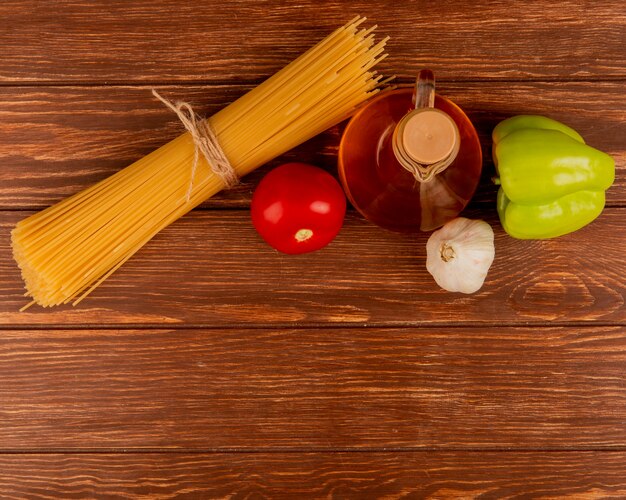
{"type": "Point", "coordinates": [67, 250]}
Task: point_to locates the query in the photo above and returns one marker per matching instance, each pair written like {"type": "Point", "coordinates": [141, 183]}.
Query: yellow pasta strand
{"type": "Point", "coordinates": [67, 250]}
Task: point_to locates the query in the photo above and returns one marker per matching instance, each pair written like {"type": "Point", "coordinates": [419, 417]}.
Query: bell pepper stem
{"type": "Point", "coordinates": [496, 180]}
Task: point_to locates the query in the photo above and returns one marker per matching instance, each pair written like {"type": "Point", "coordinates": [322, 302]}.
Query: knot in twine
{"type": "Point", "coordinates": [205, 141]}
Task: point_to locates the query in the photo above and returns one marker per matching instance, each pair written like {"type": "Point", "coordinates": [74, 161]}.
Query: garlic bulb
{"type": "Point", "coordinates": [459, 254]}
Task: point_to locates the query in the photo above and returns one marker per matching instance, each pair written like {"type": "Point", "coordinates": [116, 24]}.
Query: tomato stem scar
{"type": "Point", "coordinates": [303, 235]}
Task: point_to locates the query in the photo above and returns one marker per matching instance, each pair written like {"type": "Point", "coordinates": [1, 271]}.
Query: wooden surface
{"type": "Point", "coordinates": [315, 389]}
{"type": "Point", "coordinates": [379, 474]}
{"type": "Point", "coordinates": [211, 366]}
{"type": "Point", "coordinates": [64, 139]}
{"type": "Point", "coordinates": [220, 273]}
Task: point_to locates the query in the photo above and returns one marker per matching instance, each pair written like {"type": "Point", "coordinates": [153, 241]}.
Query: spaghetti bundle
{"type": "Point", "coordinates": [68, 249]}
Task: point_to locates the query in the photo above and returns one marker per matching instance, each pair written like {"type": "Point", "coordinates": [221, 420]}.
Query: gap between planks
{"type": "Point", "coordinates": [255, 82]}
{"type": "Point", "coordinates": [308, 326]}
{"type": "Point", "coordinates": [481, 205]}
{"type": "Point", "coordinates": [257, 451]}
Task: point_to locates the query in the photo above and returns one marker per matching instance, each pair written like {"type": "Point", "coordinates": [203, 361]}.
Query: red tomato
{"type": "Point", "coordinates": [298, 208]}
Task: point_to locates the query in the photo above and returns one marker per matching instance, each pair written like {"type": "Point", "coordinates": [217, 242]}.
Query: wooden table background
{"type": "Point", "coordinates": [211, 366]}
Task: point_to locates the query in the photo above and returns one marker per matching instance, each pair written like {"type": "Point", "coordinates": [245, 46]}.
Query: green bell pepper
{"type": "Point", "coordinates": [551, 182]}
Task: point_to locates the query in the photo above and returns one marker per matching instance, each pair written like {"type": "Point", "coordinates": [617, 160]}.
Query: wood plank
{"type": "Point", "coordinates": [57, 141]}
{"type": "Point", "coordinates": [313, 389]}
{"type": "Point", "coordinates": [165, 40]}
{"type": "Point", "coordinates": [438, 475]}
{"type": "Point", "coordinates": [210, 268]}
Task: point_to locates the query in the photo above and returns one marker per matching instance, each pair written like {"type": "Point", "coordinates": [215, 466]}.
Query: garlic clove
{"type": "Point", "coordinates": [459, 255]}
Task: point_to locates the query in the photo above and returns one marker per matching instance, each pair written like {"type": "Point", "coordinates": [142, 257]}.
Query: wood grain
{"type": "Point", "coordinates": [509, 475]}
{"type": "Point", "coordinates": [211, 268]}
{"type": "Point", "coordinates": [313, 389]}
{"type": "Point", "coordinates": [165, 40]}
{"type": "Point", "coordinates": [211, 366]}
{"type": "Point", "coordinates": [55, 141]}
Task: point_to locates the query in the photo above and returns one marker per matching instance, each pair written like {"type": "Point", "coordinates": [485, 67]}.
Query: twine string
{"type": "Point", "coordinates": [205, 141]}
